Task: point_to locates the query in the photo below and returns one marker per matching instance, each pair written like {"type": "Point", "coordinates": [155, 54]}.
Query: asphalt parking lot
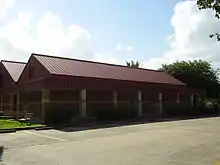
{"type": "Point", "coordinates": [189, 142]}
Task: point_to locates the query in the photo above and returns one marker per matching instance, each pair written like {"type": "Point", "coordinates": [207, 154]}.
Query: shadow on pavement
{"type": "Point", "coordinates": [111, 124]}
{"type": "Point", "coordinates": [1, 152]}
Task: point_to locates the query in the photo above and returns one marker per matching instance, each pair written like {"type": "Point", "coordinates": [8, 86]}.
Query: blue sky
{"type": "Point", "coordinates": [112, 31]}
{"type": "Point", "coordinates": [142, 24]}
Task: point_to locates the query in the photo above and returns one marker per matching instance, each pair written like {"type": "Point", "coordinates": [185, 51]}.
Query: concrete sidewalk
{"type": "Point", "coordinates": [188, 142]}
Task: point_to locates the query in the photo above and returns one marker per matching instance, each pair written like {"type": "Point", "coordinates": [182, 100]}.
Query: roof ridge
{"type": "Point", "coordinates": [95, 62]}
{"type": "Point", "coordinates": [19, 62]}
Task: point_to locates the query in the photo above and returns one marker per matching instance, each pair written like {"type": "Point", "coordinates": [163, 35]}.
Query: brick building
{"type": "Point", "coordinates": [48, 82]}
{"type": "Point", "coordinates": [10, 72]}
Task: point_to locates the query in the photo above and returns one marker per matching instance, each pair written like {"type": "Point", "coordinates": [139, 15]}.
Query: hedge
{"type": "Point", "coordinates": [185, 109]}
{"type": "Point", "coordinates": [115, 114]}
{"type": "Point", "coordinates": [56, 116]}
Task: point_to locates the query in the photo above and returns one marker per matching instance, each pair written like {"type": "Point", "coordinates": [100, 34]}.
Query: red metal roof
{"type": "Point", "coordinates": [82, 68]}
{"type": "Point", "coordinates": [14, 68]}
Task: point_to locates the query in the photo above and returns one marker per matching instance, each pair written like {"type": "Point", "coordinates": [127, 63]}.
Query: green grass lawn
{"type": "Point", "coordinates": [10, 123]}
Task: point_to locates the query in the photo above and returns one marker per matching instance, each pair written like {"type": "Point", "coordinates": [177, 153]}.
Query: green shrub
{"type": "Point", "coordinates": [58, 116]}
{"type": "Point", "coordinates": [182, 109]}
{"type": "Point", "coordinates": [193, 111]}
{"type": "Point", "coordinates": [174, 109]}
{"type": "Point", "coordinates": [185, 109]}
{"type": "Point", "coordinates": [209, 110]}
{"type": "Point", "coordinates": [126, 113]}
{"type": "Point", "coordinates": [106, 114]}
{"type": "Point", "coordinates": [115, 114]}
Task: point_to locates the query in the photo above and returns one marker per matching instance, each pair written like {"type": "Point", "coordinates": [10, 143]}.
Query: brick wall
{"type": "Point", "coordinates": [150, 108]}
{"type": "Point", "coordinates": [127, 102]}
{"type": "Point", "coordinates": [73, 107]}
{"type": "Point", "coordinates": [7, 104]}
{"type": "Point", "coordinates": [64, 100]}
{"type": "Point", "coordinates": [33, 96]}
{"type": "Point", "coordinates": [99, 96]}
{"type": "Point", "coordinates": [31, 102]}
{"type": "Point", "coordinates": [98, 100]}
{"type": "Point", "coordinates": [169, 96]}
{"type": "Point", "coordinates": [35, 108]}
{"type": "Point", "coordinates": [92, 108]}
{"type": "Point", "coordinates": [64, 95]}
{"type": "Point", "coordinates": [150, 102]}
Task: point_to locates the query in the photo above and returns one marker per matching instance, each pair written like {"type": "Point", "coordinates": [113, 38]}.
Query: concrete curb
{"type": "Point", "coordinates": [27, 128]}
{"type": "Point", "coordinates": [43, 128]}
{"type": "Point", "coordinates": [7, 131]}
{"type": "Point", "coordinates": [19, 129]}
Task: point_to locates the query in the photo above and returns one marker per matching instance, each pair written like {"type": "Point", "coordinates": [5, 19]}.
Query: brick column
{"type": "Point", "coordinates": [1, 102]}
{"type": "Point", "coordinates": [200, 98]}
{"type": "Point", "coordinates": [11, 95]}
{"type": "Point", "coordinates": [17, 105]}
{"type": "Point", "coordinates": [140, 107]}
{"type": "Point", "coordinates": [83, 102]}
{"type": "Point", "coordinates": [45, 99]}
{"type": "Point", "coordinates": [160, 103]}
{"type": "Point", "coordinates": [177, 98]}
{"type": "Point", "coordinates": [192, 99]}
{"type": "Point", "coordinates": [115, 99]}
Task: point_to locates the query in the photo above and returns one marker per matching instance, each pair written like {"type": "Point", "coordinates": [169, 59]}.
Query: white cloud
{"type": "Point", "coordinates": [52, 38]}
{"type": "Point", "coordinates": [119, 55]}
{"type": "Point", "coordinates": [190, 39]}
{"type": "Point", "coordinates": [21, 36]}
{"type": "Point", "coordinates": [114, 57]}
{"type": "Point", "coordinates": [107, 58]}
{"type": "Point", "coordinates": [129, 48]}
{"type": "Point", "coordinates": [4, 6]}
{"type": "Point", "coordinates": [119, 46]}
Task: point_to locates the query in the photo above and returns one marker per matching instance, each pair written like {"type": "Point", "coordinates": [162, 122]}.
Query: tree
{"type": "Point", "coordinates": [214, 5]}
{"type": "Point", "coordinates": [195, 74]}
{"type": "Point", "coordinates": [210, 4]}
{"type": "Point", "coordinates": [133, 64]}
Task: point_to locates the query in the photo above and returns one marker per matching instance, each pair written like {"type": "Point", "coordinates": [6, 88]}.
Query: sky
{"type": "Point", "coordinates": [112, 31]}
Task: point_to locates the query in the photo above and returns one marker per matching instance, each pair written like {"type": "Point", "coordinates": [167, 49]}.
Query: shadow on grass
{"type": "Point", "coordinates": [136, 121]}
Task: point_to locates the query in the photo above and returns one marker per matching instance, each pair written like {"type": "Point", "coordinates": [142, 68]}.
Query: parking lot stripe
{"type": "Point", "coordinates": [46, 136]}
